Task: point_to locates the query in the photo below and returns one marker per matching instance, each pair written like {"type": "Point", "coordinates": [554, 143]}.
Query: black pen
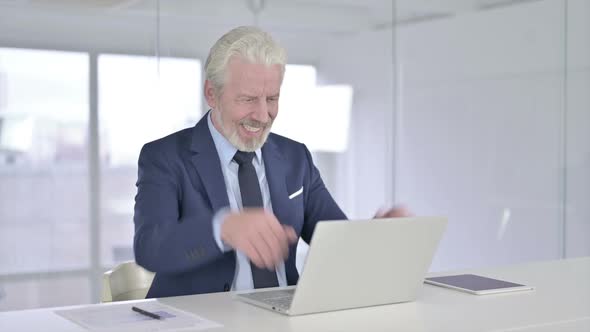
{"type": "Point", "coordinates": [146, 313]}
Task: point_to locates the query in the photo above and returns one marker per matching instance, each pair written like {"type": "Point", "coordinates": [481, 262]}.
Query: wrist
{"type": "Point", "coordinates": [219, 225]}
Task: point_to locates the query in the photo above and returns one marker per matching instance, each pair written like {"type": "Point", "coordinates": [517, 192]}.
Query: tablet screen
{"type": "Point", "coordinates": [474, 282]}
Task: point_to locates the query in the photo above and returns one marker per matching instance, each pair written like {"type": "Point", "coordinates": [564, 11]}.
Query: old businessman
{"type": "Point", "coordinates": [221, 206]}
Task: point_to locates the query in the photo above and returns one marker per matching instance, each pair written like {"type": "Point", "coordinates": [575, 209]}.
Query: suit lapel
{"type": "Point", "coordinates": [275, 166]}
{"type": "Point", "coordinates": [207, 164]}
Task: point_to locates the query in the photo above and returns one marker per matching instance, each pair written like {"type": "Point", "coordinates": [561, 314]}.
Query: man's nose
{"type": "Point", "coordinates": [261, 111]}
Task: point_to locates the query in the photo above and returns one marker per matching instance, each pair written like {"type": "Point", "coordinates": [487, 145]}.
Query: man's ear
{"type": "Point", "coordinates": [210, 94]}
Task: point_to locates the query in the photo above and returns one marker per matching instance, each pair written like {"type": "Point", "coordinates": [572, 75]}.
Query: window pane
{"type": "Point", "coordinates": [43, 167]}
{"type": "Point", "coordinates": [306, 109]}
{"type": "Point", "coordinates": [140, 100]}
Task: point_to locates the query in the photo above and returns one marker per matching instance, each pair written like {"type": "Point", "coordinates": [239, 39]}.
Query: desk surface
{"type": "Point", "coordinates": [561, 302]}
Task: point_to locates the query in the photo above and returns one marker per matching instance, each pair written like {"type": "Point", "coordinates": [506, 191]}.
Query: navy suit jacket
{"type": "Point", "coordinates": [180, 187]}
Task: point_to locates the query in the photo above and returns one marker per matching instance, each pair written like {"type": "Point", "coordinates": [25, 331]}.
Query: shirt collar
{"type": "Point", "coordinates": [225, 149]}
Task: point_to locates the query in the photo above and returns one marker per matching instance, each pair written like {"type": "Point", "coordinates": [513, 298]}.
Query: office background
{"type": "Point", "coordinates": [478, 110]}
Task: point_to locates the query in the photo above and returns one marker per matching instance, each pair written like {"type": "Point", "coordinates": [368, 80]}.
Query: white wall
{"type": "Point", "coordinates": [578, 129]}
{"type": "Point", "coordinates": [482, 104]}
{"type": "Point", "coordinates": [365, 177]}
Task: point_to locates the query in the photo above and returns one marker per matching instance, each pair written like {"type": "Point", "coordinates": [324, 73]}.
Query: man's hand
{"type": "Point", "coordinates": [394, 212]}
{"type": "Point", "coordinates": [259, 235]}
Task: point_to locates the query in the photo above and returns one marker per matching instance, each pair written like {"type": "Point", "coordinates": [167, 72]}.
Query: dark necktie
{"type": "Point", "coordinates": [252, 197]}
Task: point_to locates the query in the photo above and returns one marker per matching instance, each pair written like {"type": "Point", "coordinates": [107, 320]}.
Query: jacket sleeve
{"type": "Point", "coordinates": [165, 241]}
{"type": "Point", "coordinates": [319, 204]}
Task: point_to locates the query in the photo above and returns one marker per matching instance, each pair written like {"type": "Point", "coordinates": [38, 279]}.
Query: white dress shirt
{"type": "Point", "coordinates": [226, 151]}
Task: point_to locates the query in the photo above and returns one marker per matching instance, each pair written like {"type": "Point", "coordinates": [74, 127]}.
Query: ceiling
{"type": "Point", "coordinates": [337, 16]}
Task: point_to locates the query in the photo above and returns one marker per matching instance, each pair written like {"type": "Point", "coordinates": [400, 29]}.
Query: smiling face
{"type": "Point", "coordinates": [248, 103]}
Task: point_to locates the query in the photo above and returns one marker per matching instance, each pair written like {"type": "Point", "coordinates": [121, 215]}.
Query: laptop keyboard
{"type": "Point", "coordinates": [276, 298]}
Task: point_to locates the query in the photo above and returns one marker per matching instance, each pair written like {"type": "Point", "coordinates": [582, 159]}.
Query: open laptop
{"type": "Point", "coordinates": [361, 263]}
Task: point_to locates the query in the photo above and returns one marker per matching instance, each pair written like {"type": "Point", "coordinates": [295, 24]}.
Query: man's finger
{"type": "Point", "coordinates": [276, 230]}
{"type": "Point", "coordinates": [290, 233]}
{"type": "Point", "coordinates": [252, 254]}
{"type": "Point", "coordinates": [395, 212]}
{"type": "Point", "coordinates": [264, 249]}
{"type": "Point", "coordinates": [274, 244]}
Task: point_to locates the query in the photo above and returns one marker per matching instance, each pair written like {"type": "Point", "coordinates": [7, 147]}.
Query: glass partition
{"type": "Point", "coordinates": [474, 110]}
{"type": "Point", "coordinates": [43, 173]}
{"type": "Point", "coordinates": [492, 117]}
{"type": "Point", "coordinates": [95, 80]}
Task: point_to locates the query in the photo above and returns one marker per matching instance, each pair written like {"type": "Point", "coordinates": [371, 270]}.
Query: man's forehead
{"type": "Point", "coordinates": [248, 90]}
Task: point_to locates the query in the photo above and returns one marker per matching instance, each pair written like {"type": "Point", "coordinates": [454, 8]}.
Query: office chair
{"type": "Point", "coordinates": [127, 281]}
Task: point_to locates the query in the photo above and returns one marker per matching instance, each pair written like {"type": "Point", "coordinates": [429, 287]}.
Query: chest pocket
{"type": "Point", "coordinates": [296, 205]}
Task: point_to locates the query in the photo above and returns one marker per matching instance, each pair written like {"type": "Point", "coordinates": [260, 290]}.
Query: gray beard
{"type": "Point", "coordinates": [234, 138]}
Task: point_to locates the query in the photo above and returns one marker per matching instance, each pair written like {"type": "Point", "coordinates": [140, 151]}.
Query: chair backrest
{"type": "Point", "coordinates": [127, 281]}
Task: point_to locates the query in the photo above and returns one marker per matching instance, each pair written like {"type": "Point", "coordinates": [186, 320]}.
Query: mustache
{"type": "Point", "coordinates": [256, 123]}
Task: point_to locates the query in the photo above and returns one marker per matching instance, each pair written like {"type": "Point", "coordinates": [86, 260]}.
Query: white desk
{"type": "Point", "coordinates": [561, 302]}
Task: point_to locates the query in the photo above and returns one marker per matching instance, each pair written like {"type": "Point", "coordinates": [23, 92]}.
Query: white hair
{"type": "Point", "coordinates": [251, 43]}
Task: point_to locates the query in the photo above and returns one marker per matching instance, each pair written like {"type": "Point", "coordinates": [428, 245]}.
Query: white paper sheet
{"type": "Point", "coordinates": [120, 317]}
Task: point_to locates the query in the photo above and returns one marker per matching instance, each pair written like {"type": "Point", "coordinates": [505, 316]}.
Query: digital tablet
{"type": "Point", "coordinates": [475, 284]}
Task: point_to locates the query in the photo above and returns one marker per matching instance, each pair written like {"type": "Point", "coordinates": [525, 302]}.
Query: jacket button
{"type": "Point", "coordinates": [226, 287]}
